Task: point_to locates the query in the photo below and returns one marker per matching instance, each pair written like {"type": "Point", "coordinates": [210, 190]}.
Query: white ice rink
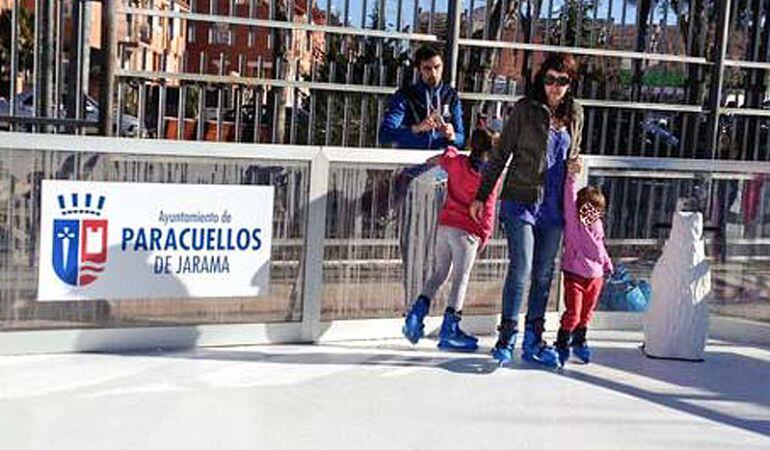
{"type": "Point", "coordinates": [370, 395]}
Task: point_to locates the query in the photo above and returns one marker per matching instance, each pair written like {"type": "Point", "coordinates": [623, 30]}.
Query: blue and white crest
{"type": "Point", "coordinates": [80, 239]}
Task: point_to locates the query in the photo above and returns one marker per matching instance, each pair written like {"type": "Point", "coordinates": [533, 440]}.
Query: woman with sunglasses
{"type": "Point", "coordinates": [542, 132]}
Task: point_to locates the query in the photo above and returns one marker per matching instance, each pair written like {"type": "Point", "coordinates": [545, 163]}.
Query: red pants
{"type": "Point", "coordinates": [580, 297]}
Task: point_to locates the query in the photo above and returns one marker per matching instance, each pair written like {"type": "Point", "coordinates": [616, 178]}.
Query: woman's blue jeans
{"type": "Point", "coordinates": [532, 251]}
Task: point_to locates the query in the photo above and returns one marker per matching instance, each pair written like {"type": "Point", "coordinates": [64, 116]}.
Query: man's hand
{"type": "Point", "coordinates": [448, 131]}
{"type": "Point", "coordinates": [575, 166]}
{"type": "Point", "coordinates": [430, 123]}
{"type": "Point", "coordinates": [476, 209]}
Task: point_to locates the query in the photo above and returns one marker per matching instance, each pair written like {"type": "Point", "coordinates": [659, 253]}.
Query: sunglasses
{"type": "Point", "coordinates": [560, 81]}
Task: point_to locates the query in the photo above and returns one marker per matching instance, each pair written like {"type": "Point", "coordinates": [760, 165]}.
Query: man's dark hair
{"type": "Point", "coordinates": [424, 53]}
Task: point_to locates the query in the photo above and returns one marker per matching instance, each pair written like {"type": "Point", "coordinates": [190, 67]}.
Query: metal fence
{"type": "Point", "coordinates": [663, 78]}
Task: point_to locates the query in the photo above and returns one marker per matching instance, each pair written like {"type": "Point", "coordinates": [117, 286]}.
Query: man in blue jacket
{"type": "Point", "coordinates": [426, 115]}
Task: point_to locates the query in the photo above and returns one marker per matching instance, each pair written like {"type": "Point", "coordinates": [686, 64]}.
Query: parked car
{"type": "Point", "coordinates": [24, 107]}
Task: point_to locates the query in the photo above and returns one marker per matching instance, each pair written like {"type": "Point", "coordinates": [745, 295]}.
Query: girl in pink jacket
{"type": "Point", "coordinates": [459, 238]}
{"type": "Point", "coordinates": [584, 262]}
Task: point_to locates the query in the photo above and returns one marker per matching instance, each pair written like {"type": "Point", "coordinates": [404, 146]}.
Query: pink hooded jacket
{"type": "Point", "coordinates": [584, 253]}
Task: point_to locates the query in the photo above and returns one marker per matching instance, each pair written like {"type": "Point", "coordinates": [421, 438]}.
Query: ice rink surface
{"type": "Point", "coordinates": [385, 394]}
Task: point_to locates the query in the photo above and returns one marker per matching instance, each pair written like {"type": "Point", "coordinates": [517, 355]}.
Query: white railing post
{"type": "Point", "coordinates": [312, 283]}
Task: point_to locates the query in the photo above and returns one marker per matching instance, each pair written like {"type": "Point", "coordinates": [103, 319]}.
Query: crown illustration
{"type": "Point", "coordinates": [81, 204]}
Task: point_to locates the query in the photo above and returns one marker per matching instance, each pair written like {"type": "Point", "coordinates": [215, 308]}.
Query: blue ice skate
{"type": "Point", "coordinates": [414, 328]}
{"type": "Point", "coordinates": [580, 348]}
{"type": "Point", "coordinates": [535, 350]}
{"type": "Point", "coordinates": [562, 346]}
{"type": "Point", "coordinates": [503, 349]}
{"type": "Point", "coordinates": [451, 337]}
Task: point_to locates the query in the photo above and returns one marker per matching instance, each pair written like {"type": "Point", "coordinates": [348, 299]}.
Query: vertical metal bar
{"type": "Point", "coordinates": [294, 106]}
{"type": "Point", "coordinates": [58, 78]}
{"type": "Point", "coordinates": [380, 105]}
{"type": "Point", "coordinates": [548, 35]}
{"type": "Point", "coordinates": [565, 10]}
{"type": "Point", "coordinates": [200, 128]}
{"type": "Point", "coordinates": [453, 46]}
{"type": "Point", "coordinates": [239, 96]}
{"type": "Point", "coordinates": [290, 4]}
{"type": "Point", "coordinates": [277, 128]}
{"type": "Point", "coordinates": [237, 93]}
{"type": "Point", "coordinates": [202, 92]}
{"type": "Point", "coordinates": [616, 140]}
{"type": "Point", "coordinates": [363, 110]}
{"type": "Point", "coordinates": [578, 23]}
{"type": "Point", "coordinates": [469, 29]}
{"type": "Point", "coordinates": [690, 22]}
{"type": "Point", "coordinates": [751, 98]}
{"type": "Point", "coordinates": [14, 60]}
{"type": "Point", "coordinates": [76, 110]}
{"type": "Point", "coordinates": [363, 14]}
{"type": "Point", "coordinates": [142, 102]}
{"type": "Point", "coordinates": [664, 33]}
{"type": "Point", "coordinates": [119, 110]}
{"type": "Point", "coordinates": [258, 114]}
{"type": "Point", "coordinates": [220, 99]}
{"type": "Point", "coordinates": [312, 108]}
{"type": "Point", "coordinates": [330, 102]}
{"type": "Point", "coordinates": [381, 25]}
{"type": "Point", "coordinates": [180, 112]}
{"type": "Point", "coordinates": [651, 199]}
{"type": "Point", "coordinates": [765, 57]}
{"type": "Point", "coordinates": [431, 16]}
{"type": "Point", "coordinates": [161, 109]}
{"type": "Point", "coordinates": [330, 74]}
{"type": "Point", "coordinates": [109, 50]}
{"type": "Point", "coordinates": [346, 107]}
{"type": "Point", "coordinates": [329, 114]}
{"type": "Point", "coordinates": [592, 28]}
{"type": "Point", "coordinates": [36, 64]}
{"type": "Point", "coordinates": [623, 15]}
{"type": "Point", "coordinates": [399, 6]}
{"type": "Point", "coordinates": [717, 74]}
{"type": "Point", "coordinates": [346, 10]}
{"type": "Point", "coordinates": [501, 19]}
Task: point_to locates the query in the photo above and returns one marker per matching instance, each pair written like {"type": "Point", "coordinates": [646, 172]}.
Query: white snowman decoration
{"type": "Point", "coordinates": [676, 321]}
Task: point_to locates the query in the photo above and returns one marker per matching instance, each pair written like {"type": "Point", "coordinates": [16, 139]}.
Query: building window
{"type": "Point", "coordinates": [220, 34]}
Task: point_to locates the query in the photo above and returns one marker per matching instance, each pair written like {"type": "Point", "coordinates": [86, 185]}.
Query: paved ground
{"type": "Point", "coordinates": [384, 395]}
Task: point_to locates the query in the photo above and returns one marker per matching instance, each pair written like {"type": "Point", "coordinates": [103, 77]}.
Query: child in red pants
{"type": "Point", "coordinates": [585, 262]}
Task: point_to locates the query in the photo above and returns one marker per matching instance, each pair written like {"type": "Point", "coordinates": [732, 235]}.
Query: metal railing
{"type": "Point", "coordinates": [336, 252]}
{"type": "Point", "coordinates": [663, 79]}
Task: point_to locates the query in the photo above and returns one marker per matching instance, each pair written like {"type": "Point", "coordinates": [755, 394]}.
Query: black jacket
{"type": "Point", "coordinates": [525, 139]}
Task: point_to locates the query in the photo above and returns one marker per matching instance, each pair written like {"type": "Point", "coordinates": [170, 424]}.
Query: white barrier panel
{"type": "Point", "coordinates": [147, 240]}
